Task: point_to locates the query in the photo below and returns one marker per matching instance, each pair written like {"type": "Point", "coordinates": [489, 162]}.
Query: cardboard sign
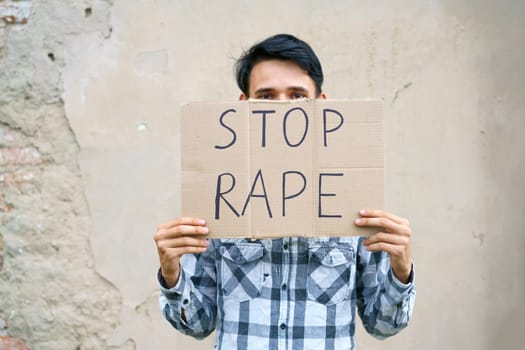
{"type": "Point", "coordinates": [266, 169]}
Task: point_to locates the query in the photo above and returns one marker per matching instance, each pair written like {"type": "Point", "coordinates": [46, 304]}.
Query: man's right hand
{"type": "Point", "coordinates": [175, 238]}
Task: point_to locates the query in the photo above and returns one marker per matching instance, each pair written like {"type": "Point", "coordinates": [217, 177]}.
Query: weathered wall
{"type": "Point", "coordinates": [89, 98]}
{"type": "Point", "coordinates": [50, 293]}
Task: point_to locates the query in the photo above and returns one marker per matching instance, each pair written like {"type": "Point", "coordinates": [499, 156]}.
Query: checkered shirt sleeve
{"type": "Point", "coordinates": [190, 306]}
{"type": "Point", "coordinates": [384, 303]}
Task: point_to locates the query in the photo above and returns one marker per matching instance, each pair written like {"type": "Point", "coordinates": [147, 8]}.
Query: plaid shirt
{"type": "Point", "coordinates": [289, 293]}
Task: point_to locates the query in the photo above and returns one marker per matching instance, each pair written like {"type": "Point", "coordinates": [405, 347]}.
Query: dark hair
{"type": "Point", "coordinates": [283, 47]}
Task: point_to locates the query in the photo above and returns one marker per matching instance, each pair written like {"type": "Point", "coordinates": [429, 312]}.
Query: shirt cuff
{"type": "Point", "coordinates": [410, 277]}
{"type": "Point", "coordinates": [397, 289]}
{"type": "Point", "coordinates": [174, 292]}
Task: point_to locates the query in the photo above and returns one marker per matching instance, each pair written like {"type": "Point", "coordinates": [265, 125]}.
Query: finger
{"type": "Point", "coordinates": [171, 249]}
{"type": "Point", "coordinates": [183, 241]}
{"type": "Point", "coordinates": [189, 230]}
{"type": "Point", "coordinates": [389, 225]}
{"type": "Point", "coordinates": [399, 258]}
{"type": "Point", "coordinates": [180, 230]}
{"type": "Point", "coordinates": [169, 254]}
{"type": "Point", "coordinates": [191, 221]}
{"type": "Point", "coordinates": [386, 238]}
{"type": "Point", "coordinates": [368, 212]}
{"type": "Point", "coordinates": [190, 250]}
{"type": "Point", "coordinates": [392, 249]}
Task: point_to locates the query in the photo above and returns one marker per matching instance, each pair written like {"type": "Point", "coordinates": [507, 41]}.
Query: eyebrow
{"type": "Point", "coordinates": [264, 90]}
{"type": "Point", "coordinates": [290, 88]}
{"type": "Point", "coordinates": [297, 88]}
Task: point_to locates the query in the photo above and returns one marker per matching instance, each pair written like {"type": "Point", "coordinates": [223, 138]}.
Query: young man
{"type": "Point", "coordinates": [288, 293]}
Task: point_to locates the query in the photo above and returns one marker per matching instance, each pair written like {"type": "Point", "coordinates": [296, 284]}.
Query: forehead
{"type": "Point", "coordinates": [279, 75]}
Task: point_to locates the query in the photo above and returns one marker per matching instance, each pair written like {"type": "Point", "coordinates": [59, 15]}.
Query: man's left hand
{"type": "Point", "coordinates": [395, 239]}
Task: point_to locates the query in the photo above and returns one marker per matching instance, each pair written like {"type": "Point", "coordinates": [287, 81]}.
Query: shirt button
{"type": "Point", "coordinates": [284, 287]}
{"type": "Point", "coordinates": [185, 301]}
{"type": "Point", "coordinates": [285, 246]}
{"type": "Point", "coordinates": [283, 326]}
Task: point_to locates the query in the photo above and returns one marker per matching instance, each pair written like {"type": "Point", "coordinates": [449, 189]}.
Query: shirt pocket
{"type": "Point", "coordinates": [330, 269]}
{"type": "Point", "coordinates": [242, 270]}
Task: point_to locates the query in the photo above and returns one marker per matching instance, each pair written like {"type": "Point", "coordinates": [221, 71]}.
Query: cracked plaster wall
{"type": "Point", "coordinates": [89, 154]}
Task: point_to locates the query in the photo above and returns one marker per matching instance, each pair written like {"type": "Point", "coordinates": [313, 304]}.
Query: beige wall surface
{"type": "Point", "coordinates": [89, 104]}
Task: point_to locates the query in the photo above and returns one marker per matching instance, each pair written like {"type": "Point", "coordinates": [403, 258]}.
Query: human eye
{"type": "Point", "coordinates": [298, 95]}
{"type": "Point", "coordinates": [265, 96]}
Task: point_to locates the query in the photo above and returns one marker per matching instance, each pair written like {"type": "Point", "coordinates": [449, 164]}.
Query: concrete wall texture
{"type": "Point", "coordinates": [89, 99]}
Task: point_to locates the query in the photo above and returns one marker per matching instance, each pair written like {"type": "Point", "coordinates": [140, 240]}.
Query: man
{"type": "Point", "coordinates": [288, 293]}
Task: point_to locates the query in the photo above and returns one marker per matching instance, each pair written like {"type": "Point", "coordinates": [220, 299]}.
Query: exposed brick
{"type": "Point", "coordinates": [16, 179]}
{"type": "Point", "coordinates": [19, 156]}
{"type": "Point", "coordinates": [7, 136]}
{"type": "Point", "coordinates": [9, 343]}
{"type": "Point", "coordinates": [5, 207]}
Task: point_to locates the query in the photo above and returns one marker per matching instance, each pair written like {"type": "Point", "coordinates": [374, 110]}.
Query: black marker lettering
{"type": "Point", "coordinates": [326, 131]}
{"type": "Point", "coordinates": [321, 194]}
{"type": "Point", "coordinates": [221, 121]}
{"type": "Point", "coordinates": [263, 131]}
{"type": "Point", "coordinates": [305, 127]}
{"type": "Point", "coordinates": [264, 195]}
{"type": "Point", "coordinates": [220, 195]}
{"type": "Point", "coordinates": [286, 197]}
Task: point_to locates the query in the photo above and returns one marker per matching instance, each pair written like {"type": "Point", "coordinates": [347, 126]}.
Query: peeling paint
{"type": "Point", "coordinates": [398, 91]}
{"type": "Point", "coordinates": [480, 237]}
{"type": "Point", "coordinates": [15, 12]}
{"type": "Point", "coordinates": [142, 127]}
